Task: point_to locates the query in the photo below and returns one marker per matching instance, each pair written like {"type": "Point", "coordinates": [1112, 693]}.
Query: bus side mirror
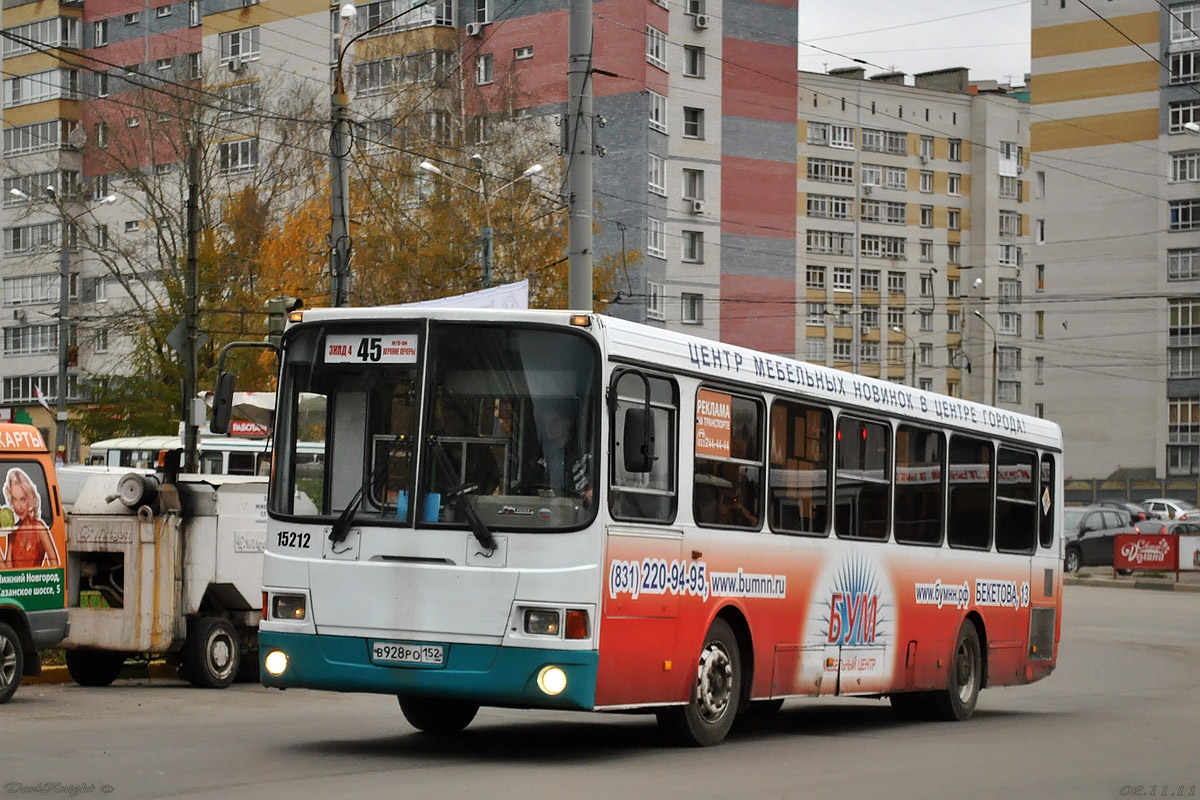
{"type": "Point", "coordinates": [222, 404]}
{"type": "Point", "coordinates": [638, 441]}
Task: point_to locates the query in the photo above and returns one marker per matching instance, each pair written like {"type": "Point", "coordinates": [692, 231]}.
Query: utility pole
{"type": "Point", "coordinates": [579, 155]}
{"type": "Point", "coordinates": [339, 229]}
{"type": "Point", "coordinates": [193, 407]}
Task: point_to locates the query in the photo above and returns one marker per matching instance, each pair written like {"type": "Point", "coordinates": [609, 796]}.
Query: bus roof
{"type": "Point", "coordinates": [21, 438]}
{"type": "Point", "coordinates": [731, 364]}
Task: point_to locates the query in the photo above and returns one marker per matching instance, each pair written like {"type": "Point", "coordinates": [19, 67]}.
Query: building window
{"type": "Point", "coordinates": [693, 122]}
{"type": "Point", "coordinates": [483, 69]}
{"type": "Point", "coordinates": [1039, 231]}
{"type": "Point", "coordinates": [1039, 318]}
{"type": "Point", "coordinates": [843, 350]}
{"type": "Point", "coordinates": [1039, 184]}
{"type": "Point", "coordinates": [1185, 215]}
{"type": "Point", "coordinates": [101, 341]}
{"type": "Point", "coordinates": [927, 250]}
{"type": "Point", "coordinates": [100, 33]}
{"type": "Point", "coordinates": [162, 64]}
{"type": "Point", "coordinates": [1181, 113]}
{"type": "Point", "coordinates": [897, 282]}
{"type": "Point", "coordinates": [1008, 391]}
{"type": "Point", "coordinates": [815, 350]}
{"type": "Point", "coordinates": [889, 247]}
{"type": "Point", "coordinates": [926, 147]}
{"type": "Point", "coordinates": [655, 301]}
{"type": "Point", "coordinates": [656, 47]}
{"type": "Point", "coordinates": [1010, 188]}
{"type": "Point", "coordinates": [656, 239]}
{"type": "Point", "coordinates": [1010, 290]}
{"type": "Point", "coordinates": [101, 134]}
{"type": "Point", "coordinates": [1184, 264]}
{"type": "Point", "coordinates": [1008, 360]}
{"type": "Point", "coordinates": [953, 252]}
{"type": "Point", "coordinates": [953, 322]}
{"type": "Point", "coordinates": [868, 352]}
{"type": "Point", "coordinates": [131, 225]}
{"type": "Point", "coordinates": [925, 356]}
{"type": "Point", "coordinates": [926, 181]}
{"type": "Point", "coordinates": [658, 175]}
{"type": "Point", "coordinates": [926, 384]}
{"type": "Point", "coordinates": [954, 219]}
{"type": "Point", "coordinates": [814, 313]}
{"type": "Point", "coordinates": [1041, 277]}
{"type": "Point", "coordinates": [829, 242]}
{"type": "Point", "coordinates": [102, 84]}
{"type": "Point", "coordinates": [840, 136]}
{"type": "Point", "coordinates": [926, 319]}
{"type": "Point", "coordinates": [691, 308]}
{"type": "Point", "coordinates": [830, 171]}
{"type": "Point", "coordinates": [1008, 322]}
{"type": "Point", "coordinates": [814, 277]}
{"type": "Point", "coordinates": [880, 141]}
{"type": "Point", "coordinates": [868, 281]}
{"type": "Point", "coordinates": [131, 18]}
{"type": "Point", "coordinates": [193, 13]}
{"type": "Point", "coordinates": [1185, 166]}
{"type": "Point", "coordinates": [240, 45]}
{"type": "Point", "coordinates": [658, 112]}
{"type": "Point", "coordinates": [954, 183]}
{"type": "Point", "coordinates": [1039, 369]}
{"type": "Point", "coordinates": [1185, 22]}
{"type": "Point", "coordinates": [843, 279]}
{"type": "Point", "coordinates": [522, 53]}
{"type": "Point", "coordinates": [955, 150]}
{"type": "Point", "coordinates": [239, 156]}
{"type": "Point", "coordinates": [828, 206]}
{"type": "Point", "coordinates": [693, 246]}
{"type": "Point", "coordinates": [1010, 224]}
{"type": "Point", "coordinates": [1185, 67]}
{"type": "Point", "coordinates": [926, 216]}
{"type": "Point", "coordinates": [693, 61]}
{"type": "Point", "coordinates": [693, 184]}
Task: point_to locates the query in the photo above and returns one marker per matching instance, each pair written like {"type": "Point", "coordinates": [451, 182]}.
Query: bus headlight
{"type": "Point", "coordinates": [276, 662]}
{"type": "Point", "coordinates": [541, 621]}
{"type": "Point", "coordinates": [288, 606]}
{"type": "Point", "coordinates": [551, 680]}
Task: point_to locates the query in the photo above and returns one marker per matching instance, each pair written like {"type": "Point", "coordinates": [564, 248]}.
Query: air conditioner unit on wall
{"type": "Point", "coordinates": [696, 206]}
{"type": "Point", "coordinates": [700, 21]}
{"type": "Point", "coordinates": [474, 28]}
{"type": "Point", "coordinates": [236, 65]}
{"type": "Point", "coordinates": [868, 189]}
{"type": "Point", "coordinates": [924, 159]}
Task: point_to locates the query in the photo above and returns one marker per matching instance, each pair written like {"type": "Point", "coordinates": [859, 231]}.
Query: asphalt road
{"type": "Point", "coordinates": [1121, 711]}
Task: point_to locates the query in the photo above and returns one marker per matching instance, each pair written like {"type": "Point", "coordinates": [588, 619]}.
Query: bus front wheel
{"type": "Point", "coordinates": [12, 662]}
{"type": "Point", "coordinates": [715, 695]}
{"type": "Point", "coordinates": [439, 717]}
{"type": "Point", "coordinates": [957, 701]}
{"type": "Point", "coordinates": [94, 667]}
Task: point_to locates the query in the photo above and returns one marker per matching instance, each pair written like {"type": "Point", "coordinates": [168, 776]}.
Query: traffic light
{"type": "Point", "coordinates": [277, 314]}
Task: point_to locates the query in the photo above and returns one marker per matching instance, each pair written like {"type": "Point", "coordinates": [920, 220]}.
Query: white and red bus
{"type": "Point", "coordinates": [542, 509]}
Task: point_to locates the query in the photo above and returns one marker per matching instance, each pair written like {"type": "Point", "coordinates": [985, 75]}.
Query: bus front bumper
{"type": "Point", "coordinates": [483, 674]}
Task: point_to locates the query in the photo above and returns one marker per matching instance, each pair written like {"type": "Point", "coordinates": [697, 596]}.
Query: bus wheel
{"type": "Point", "coordinates": [958, 700]}
{"type": "Point", "coordinates": [212, 653]}
{"type": "Point", "coordinates": [94, 667]}
{"type": "Point", "coordinates": [1074, 560]}
{"type": "Point", "coordinates": [439, 717]}
{"type": "Point", "coordinates": [716, 692]}
{"type": "Point", "coordinates": [12, 662]}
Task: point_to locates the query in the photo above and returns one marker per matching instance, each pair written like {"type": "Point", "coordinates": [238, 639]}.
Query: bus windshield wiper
{"type": "Point", "coordinates": [341, 526]}
{"type": "Point", "coordinates": [460, 493]}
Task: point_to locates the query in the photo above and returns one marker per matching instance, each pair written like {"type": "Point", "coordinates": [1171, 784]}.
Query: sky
{"type": "Point", "coordinates": [989, 37]}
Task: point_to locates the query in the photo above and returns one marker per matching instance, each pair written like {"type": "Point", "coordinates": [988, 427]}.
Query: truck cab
{"type": "Point", "coordinates": [33, 613]}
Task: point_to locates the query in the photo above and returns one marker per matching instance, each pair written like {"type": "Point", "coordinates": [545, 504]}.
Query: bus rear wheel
{"type": "Point", "coordinates": [439, 717]}
{"type": "Point", "coordinates": [12, 662]}
{"type": "Point", "coordinates": [957, 701]}
{"type": "Point", "coordinates": [94, 667]}
{"type": "Point", "coordinates": [716, 692]}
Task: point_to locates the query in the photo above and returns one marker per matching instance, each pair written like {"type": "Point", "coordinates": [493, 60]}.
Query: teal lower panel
{"type": "Point", "coordinates": [484, 674]}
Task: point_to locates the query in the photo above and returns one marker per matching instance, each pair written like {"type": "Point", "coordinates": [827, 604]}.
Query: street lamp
{"type": "Point", "coordinates": [64, 297]}
{"type": "Point", "coordinates": [486, 235]}
{"type": "Point", "coordinates": [995, 347]}
{"type": "Point", "coordinates": [912, 377]}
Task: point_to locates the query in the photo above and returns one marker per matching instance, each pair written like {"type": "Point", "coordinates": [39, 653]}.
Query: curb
{"type": "Point", "coordinates": [135, 671]}
{"type": "Point", "coordinates": [1149, 584]}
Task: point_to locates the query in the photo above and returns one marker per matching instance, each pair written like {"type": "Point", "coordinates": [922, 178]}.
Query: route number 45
{"type": "Point", "coordinates": [370, 348]}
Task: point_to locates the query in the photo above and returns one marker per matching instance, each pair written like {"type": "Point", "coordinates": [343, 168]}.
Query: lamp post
{"type": "Point", "coordinates": [486, 238]}
{"type": "Point", "coordinates": [64, 297]}
{"type": "Point", "coordinates": [912, 377]}
{"type": "Point", "coordinates": [995, 347]}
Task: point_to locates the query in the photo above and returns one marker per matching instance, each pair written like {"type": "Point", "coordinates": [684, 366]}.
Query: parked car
{"type": "Point", "coordinates": [1137, 513]}
{"type": "Point", "coordinates": [1168, 508]}
{"type": "Point", "coordinates": [1090, 532]}
{"type": "Point", "coordinates": [1153, 526]}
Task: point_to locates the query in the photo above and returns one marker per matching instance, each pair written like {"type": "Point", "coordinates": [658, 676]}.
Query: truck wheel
{"type": "Point", "coordinates": [212, 653]}
{"type": "Point", "coordinates": [716, 693]}
{"type": "Point", "coordinates": [12, 662]}
{"type": "Point", "coordinates": [94, 667]}
{"type": "Point", "coordinates": [439, 717]}
{"type": "Point", "coordinates": [957, 701]}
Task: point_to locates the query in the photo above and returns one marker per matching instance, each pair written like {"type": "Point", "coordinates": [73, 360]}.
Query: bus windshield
{"type": "Point", "coordinates": [506, 420]}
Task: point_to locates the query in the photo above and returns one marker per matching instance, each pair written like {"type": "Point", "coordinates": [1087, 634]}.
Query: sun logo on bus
{"type": "Point", "coordinates": [857, 607]}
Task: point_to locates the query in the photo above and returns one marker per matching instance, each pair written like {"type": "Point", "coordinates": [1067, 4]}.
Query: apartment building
{"type": "Point", "coordinates": [1115, 102]}
{"type": "Point", "coordinates": [913, 232]}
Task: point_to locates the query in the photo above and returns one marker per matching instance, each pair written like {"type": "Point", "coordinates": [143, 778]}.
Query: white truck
{"type": "Point", "coordinates": [165, 568]}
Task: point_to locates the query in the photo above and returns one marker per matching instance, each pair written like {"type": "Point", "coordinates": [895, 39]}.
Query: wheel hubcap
{"type": "Point", "coordinates": [964, 671]}
{"type": "Point", "coordinates": [8, 662]}
{"type": "Point", "coordinates": [220, 654]}
{"type": "Point", "coordinates": [714, 682]}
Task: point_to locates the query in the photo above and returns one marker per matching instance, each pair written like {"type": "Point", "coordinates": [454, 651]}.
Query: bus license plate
{"type": "Point", "coordinates": [433, 655]}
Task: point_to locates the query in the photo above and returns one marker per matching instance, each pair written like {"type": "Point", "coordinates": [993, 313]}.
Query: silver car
{"type": "Point", "coordinates": [1169, 508]}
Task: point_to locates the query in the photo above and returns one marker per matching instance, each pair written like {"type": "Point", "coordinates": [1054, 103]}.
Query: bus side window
{"type": "Point", "coordinates": [645, 496]}
{"type": "Point", "coordinates": [1047, 500]}
{"type": "Point", "coordinates": [1016, 501]}
{"type": "Point", "coordinates": [798, 491]}
{"type": "Point", "coordinates": [863, 480]}
{"type": "Point", "coordinates": [727, 483]}
{"type": "Point", "coordinates": [969, 483]}
{"type": "Point", "coordinates": [920, 454]}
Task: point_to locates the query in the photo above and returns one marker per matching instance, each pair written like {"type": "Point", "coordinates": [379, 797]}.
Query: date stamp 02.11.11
{"type": "Point", "coordinates": [1158, 790]}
